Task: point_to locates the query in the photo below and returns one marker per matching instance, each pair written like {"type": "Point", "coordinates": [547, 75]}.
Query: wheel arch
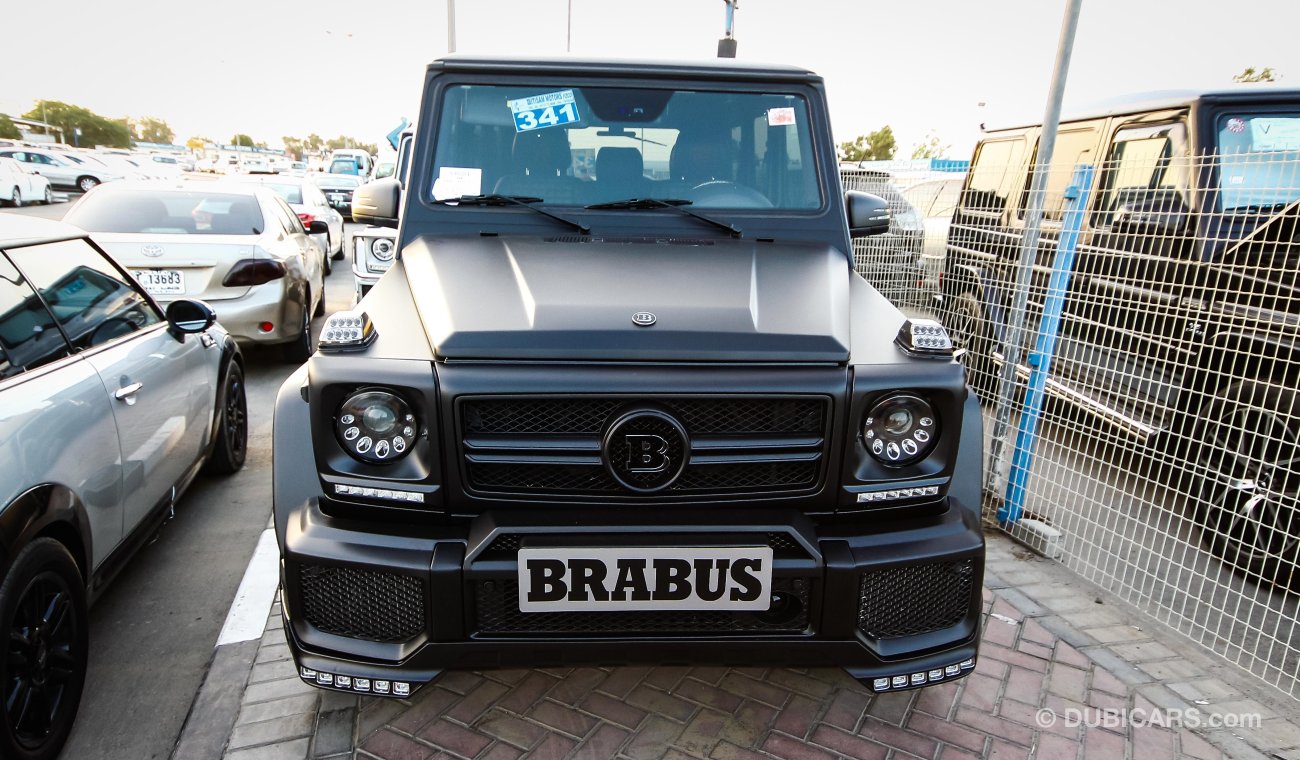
{"type": "Point", "coordinates": [1252, 356]}
{"type": "Point", "coordinates": [47, 510]}
{"type": "Point", "coordinates": [230, 354]}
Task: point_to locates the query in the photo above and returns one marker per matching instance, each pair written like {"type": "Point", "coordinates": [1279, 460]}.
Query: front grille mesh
{"type": "Point", "coordinates": [497, 613]}
{"type": "Point", "coordinates": [362, 604]}
{"type": "Point", "coordinates": [739, 421]}
{"type": "Point", "coordinates": [906, 601]}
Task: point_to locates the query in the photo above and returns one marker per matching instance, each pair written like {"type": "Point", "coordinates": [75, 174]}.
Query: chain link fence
{"type": "Point", "coordinates": [1166, 461]}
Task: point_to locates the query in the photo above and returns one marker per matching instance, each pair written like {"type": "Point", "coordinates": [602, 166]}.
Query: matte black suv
{"type": "Point", "coordinates": [622, 398]}
{"type": "Point", "coordinates": [1180, 320]}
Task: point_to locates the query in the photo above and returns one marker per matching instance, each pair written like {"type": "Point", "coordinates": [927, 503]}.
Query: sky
{"type": "Point", "coordinates": [290, 67]}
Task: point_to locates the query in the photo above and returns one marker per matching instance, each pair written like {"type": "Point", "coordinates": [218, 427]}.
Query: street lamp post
{"type": "Point", "coordinates": [727, 45]}
{"type": "Point", "coordinates": [451, 26]}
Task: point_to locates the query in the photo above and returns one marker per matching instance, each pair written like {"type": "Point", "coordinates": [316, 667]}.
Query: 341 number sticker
{"type": "Point", "coordinates": [541, 111]}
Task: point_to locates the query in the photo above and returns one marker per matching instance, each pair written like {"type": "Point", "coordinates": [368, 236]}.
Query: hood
{"type": "Point", "coordinates": [574, 299]}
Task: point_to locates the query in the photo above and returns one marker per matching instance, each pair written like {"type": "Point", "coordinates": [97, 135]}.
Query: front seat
{"type": "Point", "coordinates": [542, 166]}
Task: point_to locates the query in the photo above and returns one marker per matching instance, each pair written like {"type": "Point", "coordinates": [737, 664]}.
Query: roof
{"type": "Point", "coordinates": [1158, 100]}
{"type": "Point", "coordinates": [709, 67]}
{"type": "Point", "coordinates": [20, 229]}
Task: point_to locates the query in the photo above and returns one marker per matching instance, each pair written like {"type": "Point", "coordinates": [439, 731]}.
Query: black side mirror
{"type": "Point", "coordinates": [868, 214]}
{"type": "Point", "coordinates": [318, 227]}
{"type": "Point", "coordinates": [188, 315]}
{"type": "Point", "coordinates": [377, 202]}
{"type": "Point", "coordinates": [1160, 211]}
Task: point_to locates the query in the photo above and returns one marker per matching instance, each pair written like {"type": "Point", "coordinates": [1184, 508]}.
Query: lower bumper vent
{"type": "Point", "coordinates": [906, 601]}
{"type": "Point", "coordinates": [362, 604]}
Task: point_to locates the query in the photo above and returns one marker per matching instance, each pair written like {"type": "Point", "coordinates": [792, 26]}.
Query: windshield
{"type": "Point", "coordinates": [168, 212]}
{"type": "Point", "coordinates": [337, 180]}
{"type": "Point", "coordinates": [586, 145]}
{"type": "Point", "coordinates": [1259, 160]}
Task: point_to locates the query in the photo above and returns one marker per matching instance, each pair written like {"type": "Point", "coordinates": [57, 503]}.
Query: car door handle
{"type": "Point", "coordinates": [127, 392]}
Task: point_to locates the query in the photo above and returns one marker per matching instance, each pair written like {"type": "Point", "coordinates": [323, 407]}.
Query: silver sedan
{"type": "Point", "coordinates": [238, 247]}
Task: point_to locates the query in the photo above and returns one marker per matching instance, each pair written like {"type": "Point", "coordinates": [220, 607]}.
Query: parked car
{"type": "Point", "coordinates": [346, 165]}
{"type": "Point", "coordinates": [1180, 326]}
{"type": "Point", "coordinates": [338, 190]}
{"type": "Point", "coordinates": [309, 203]}
{"type": "Point", "coordinates": [888, 261]}
{"type": "Point", "coordinates": [62, 170]}
{"type": "Point", "coordinates": [363, 161]}
{"type": "Point", "coordinates": [593, 424]}
{"type": "Point", "coordinates": [240, 248]}
{"type": "Point", "coordinates": [111, 407]}
{"type": "Point", "coordinates": [935, 200]}
{"type": "Point", "coordinates": [374, 247]}
{"type": "Point", "coordinates": [20, 184]}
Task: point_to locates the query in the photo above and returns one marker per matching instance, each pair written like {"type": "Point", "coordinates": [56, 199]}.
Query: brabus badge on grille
{"type": "Point", "coordinates": [643, 319]}
{"type": "Point", "coordinates": [152, 250]}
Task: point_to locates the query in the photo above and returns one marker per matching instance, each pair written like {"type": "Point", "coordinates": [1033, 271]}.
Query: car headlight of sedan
{"type": "Point", "coordinates": [376, 426]}
{"type": "Point", "coordinates": [900, 429]}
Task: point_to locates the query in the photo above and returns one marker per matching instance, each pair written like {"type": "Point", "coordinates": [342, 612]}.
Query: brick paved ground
{"type": "Point", "coordinates": [1051, 643]}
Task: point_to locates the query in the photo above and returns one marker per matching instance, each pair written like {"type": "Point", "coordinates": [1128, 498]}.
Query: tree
{"type": "Point", "coordinates": [875, 146]}
{"type": "Point", "coordinates": [932, 147]}
{"type": "Point", "coordinates": [313, 143]}
{"type": "Point", "coordinates": [197, 143]}
{"type": "Point", "coordinates": [8, 130]}
{"type": "Point", "coordinates": [154, 130]}
{"type": "Point", "coordinates": [293, 146]}
{"type": "Point", "coordinates": [1250, 74]}
{"type": "Point", "coordinates": [95, 129]}
{"type": "Point", "coordinates": [242, 139]}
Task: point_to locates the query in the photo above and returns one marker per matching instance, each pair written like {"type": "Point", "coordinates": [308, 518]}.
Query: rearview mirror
{"type": "Point", "coordinates": [318, 227]}
{"type": "Point", "coordinates": [377, 202]}
{"type": "Point", "coordinates": [868, 214]}
{"type": "Point", "coordinates": [187, 315]}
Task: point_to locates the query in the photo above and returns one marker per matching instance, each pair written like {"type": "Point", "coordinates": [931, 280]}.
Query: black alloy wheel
{"type": "Point", "coordinates": [968, 330]}
{"type": "Point", "coordinates": [299, 349]}
{"type": "Point", "coordinates": [231, 447]}
{"type": "Point", "coordinates": [1249, 465]}
{"type": "Point", "coordinates": [43, 608]}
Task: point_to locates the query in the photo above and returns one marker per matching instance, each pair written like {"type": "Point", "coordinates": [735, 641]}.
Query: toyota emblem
{"type": "Point", "coordinates": [152, 250]}
{"type": "Point", "coordinates": [643, 319]}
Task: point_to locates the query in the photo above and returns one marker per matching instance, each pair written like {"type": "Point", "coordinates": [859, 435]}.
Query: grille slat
{"type": "Point", "coordinates": [906, 601]}
{"type": "Point", "coordinates": [362, 604]}
{"type": "Point", "coordinates": [497, 613]}
{"type": "Point", "coordinates": [768, 443]}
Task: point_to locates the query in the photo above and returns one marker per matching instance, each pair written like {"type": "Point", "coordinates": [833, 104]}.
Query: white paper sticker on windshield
{"type": "Point", "coordinates": [455, 181]}
{"type": "Point", "coordinates": [540, 111]}
{"type": "Point", "coordinates": [780, 117]}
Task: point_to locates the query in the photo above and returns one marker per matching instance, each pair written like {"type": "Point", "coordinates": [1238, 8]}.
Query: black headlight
{"type": "Point", "coordinates": [376, 427]}
{"type": "Point", "coordinates": [900, 430]}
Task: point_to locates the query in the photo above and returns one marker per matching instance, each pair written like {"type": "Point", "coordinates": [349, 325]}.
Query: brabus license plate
{"type": "Point", "coordinates": [161, 282]}
{"type": "Point", "coordinates": [577, 579]}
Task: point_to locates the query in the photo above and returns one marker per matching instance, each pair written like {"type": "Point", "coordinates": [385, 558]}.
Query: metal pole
{"type": "Point", "coordinates": [568, 40]}
{"type": "Point", "coordinates": [451, 26]}
{"type": "Point", "coordinates": [1015, 334]}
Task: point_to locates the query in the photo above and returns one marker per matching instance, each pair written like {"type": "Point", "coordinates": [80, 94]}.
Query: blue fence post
{"type": "Point", "coordinates": [1040, 359]}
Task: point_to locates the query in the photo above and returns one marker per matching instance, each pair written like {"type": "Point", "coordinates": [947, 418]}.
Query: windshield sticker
{"type": "Point", "coordinates": [1236, 126]}
{"type": "Point", "coordinates": [541, 111]}
{"type": "Point", "coordinates": [455, 181]}
{"type": "Point", "coordinates": [780, 117]}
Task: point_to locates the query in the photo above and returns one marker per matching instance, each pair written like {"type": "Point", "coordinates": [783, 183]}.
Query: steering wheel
{"type": "Point", "coordinates": [113, 327]}
{"type": "Point", "coordinates": [724, 194]}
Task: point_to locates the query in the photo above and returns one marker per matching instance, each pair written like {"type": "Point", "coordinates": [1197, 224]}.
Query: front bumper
{"type": "Point", "coordinates": [896, 608]}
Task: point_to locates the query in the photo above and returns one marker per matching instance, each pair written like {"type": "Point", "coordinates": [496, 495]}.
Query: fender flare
{"type": "Point", "coordinates": [46, 509]}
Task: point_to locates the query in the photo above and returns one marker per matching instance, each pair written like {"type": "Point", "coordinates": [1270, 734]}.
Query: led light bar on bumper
{"type": "Point", "coordinates": [922, 678]}
{"type": "Point", "coordinates": [377, 687]}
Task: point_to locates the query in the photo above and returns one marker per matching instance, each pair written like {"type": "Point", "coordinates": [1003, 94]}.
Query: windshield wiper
{"type": "Point", "coordinates": [494, 199]}
{"type": "Point", "coordinates": [676, 204]}
{"type": "Point", "coordinates": [1261, 208]}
